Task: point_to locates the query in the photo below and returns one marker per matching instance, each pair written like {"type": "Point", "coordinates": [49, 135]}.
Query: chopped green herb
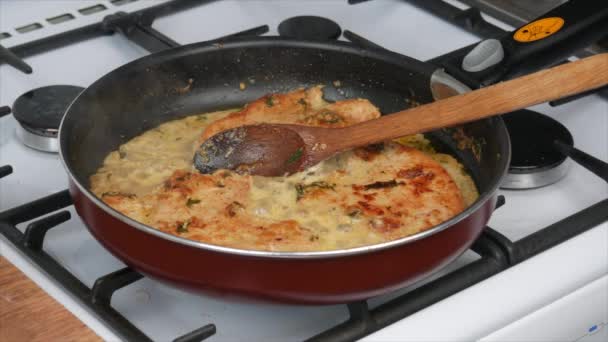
{"type": "Point", "coordinates": [192, 201]}
{"type": "Point", "coordinates": [380, 185]}
{"type": "Point", "coordinates": [301, 189]}
{"type": "Point", "coordinates": [477, 147]}
{"type": "Point", "coordinates": [295, 156]}
{"type": "Point", "coordinates": [201, 117]}
{"type": "Point", "coordinates": [313, 237]}
{"type": "Point", "coordinates": [269, 101]}
{"type": "Point", "coordinates": [183, 228]}
{"type": "Point", "coordinates": [321, 185]}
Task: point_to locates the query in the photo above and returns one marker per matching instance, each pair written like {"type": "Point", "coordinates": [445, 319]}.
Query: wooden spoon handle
{"type": "Point", "coordinates": [550, 84]}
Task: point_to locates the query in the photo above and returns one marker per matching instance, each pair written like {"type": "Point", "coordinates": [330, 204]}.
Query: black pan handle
{"type": "Point", "coordinates": [554, 36]}
{"type": "Point", "coordinates": [587, 161]}
{"type": "Point", "coordinates": [545, 41]}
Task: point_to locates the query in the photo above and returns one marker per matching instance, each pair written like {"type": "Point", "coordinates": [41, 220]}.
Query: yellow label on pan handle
{"type": "Point", "coordinates": [539, 29]}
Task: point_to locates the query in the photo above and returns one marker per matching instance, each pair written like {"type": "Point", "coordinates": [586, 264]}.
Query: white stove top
{"type": "Point", "coordinates": [489, 309]}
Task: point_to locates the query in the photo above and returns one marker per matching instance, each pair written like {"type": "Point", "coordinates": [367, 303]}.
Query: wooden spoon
{"type": "Point", "coordinates": [277, 149]}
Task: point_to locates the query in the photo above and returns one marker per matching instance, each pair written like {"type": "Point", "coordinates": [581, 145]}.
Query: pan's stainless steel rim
{"type": "Point", "coordinates": [484, 197]}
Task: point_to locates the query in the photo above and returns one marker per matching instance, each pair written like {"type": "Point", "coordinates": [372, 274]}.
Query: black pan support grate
{"type": "Point", "coordinates": [136, 26]}
{"type": "Point", "coordinates": [96, 299]}
{"type": "Point", "coordinates": [496, 251]}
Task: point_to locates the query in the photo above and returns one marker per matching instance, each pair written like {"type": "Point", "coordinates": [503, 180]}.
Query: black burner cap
{"type": "Point", "coordinates": [532, 135]}
{"type": "Point", "coordinates": [42, 109]}
{"type": "Point", "coordinates": [309, 28]}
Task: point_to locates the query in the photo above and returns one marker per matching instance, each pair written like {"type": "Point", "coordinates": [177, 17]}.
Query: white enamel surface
{"type": "Point", "coordinates": [165, 313]}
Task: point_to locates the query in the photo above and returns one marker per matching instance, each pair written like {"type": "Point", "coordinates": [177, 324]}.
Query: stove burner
{"type": "Point", "coordinates": [39, 113]}
{"type": "Point", "coordinates": [309, 28]}
{"type": "Point", "coordinates": [535, 161]}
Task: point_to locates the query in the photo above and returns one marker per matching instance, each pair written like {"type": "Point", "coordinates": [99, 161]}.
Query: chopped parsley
{"type": "Point", "coordinates": [329, 117]}
{"type": "Point", "coordinates": [269, 101]}
{"type": "Point", "coordinates": [297, 155]}
{"type": "Point", "coordinates": [301, 189]}
{"type": "Point", "coordinates": [192, 201]}
{"type": "Point", "coordinates": [477, 147]}
{"type": "Point", "coordinates": [183, 228]}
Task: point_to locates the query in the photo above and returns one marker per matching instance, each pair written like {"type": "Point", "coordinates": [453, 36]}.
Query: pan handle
{"type": "Point", "coordinates": [554, 36]}
{"type": "Point", "coordinates": [546, 41]}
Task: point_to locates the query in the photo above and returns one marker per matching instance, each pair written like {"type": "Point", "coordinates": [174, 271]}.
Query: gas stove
{"type": "Point", "coordinates": [544, 257]}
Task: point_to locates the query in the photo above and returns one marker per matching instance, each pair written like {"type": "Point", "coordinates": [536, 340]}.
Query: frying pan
{"type": "Point", "coordinates": [201, 78]}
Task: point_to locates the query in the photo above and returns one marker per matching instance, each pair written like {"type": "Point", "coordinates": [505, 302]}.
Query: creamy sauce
{"type": "Point", "coordinates": [146, 161]}
{"type": "Point", "coordinates": [143, 165]}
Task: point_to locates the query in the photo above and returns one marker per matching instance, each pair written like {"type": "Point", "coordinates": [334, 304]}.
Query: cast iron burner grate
{"type": "Point", "coordinates": [39, 111]}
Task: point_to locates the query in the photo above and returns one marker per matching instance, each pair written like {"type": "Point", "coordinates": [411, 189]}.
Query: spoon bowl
{"type": "Point", "coordinates": [265, 150]}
